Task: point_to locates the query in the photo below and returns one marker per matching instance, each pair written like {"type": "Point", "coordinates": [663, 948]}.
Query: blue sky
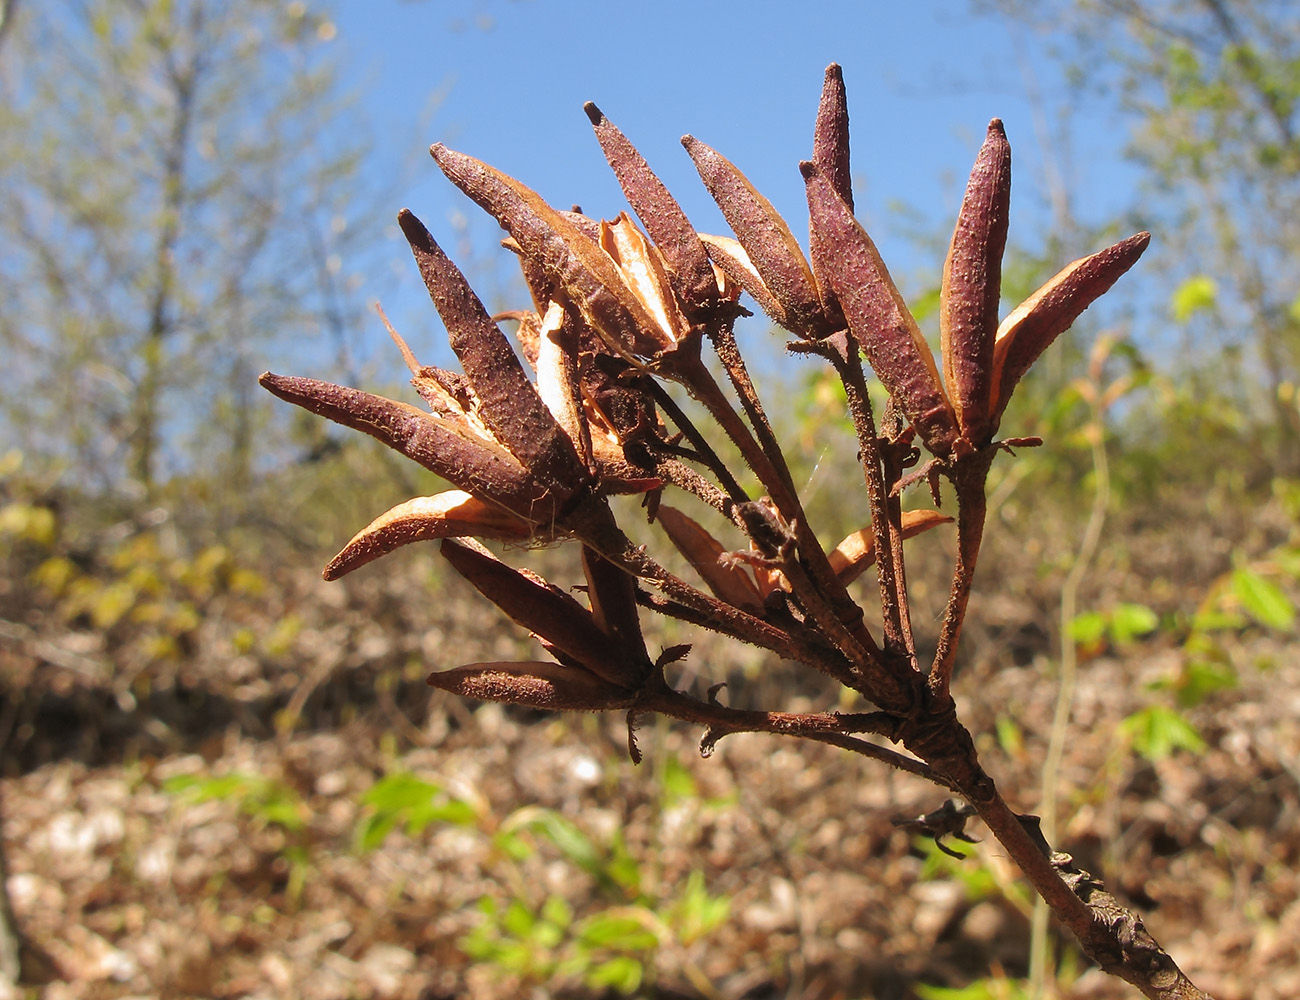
{"type": "Point", "coordinates": [504, 80]}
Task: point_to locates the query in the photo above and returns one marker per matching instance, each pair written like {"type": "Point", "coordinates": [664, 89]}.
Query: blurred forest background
{"type": "Point", "coordinates": [223, 777]}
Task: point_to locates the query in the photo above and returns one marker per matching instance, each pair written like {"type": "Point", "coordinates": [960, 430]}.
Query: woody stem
{"type": "Point", "coordinates": [968, 477]}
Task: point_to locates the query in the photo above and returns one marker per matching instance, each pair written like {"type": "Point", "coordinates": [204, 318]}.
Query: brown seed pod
{"type": "Point", "coordinates": [590, 280]}
{"type": "Point", "coordinates": [879, 318]}
{"type": "Point", "coordinates": [549, 613]}
{"type": "Point", "coordinates": [659, 212]}
{"type": "Point", "coordinates": [508, 403]}
{"type": "Point", "coordinates": [1051, 310]}
{"type": "Point", "coordinates": [536, 683]}
{"type": "Point", "coordinates": [473, 463]}
{"type": "Point", "coordinates": [729, 581]}
{"type": "Point", "coordinates": [857, 553]}
{"type": "Point", "coordinates": [766, 238]}
{"type": "Point", "coordinates": [453, 513]}
{"type": "Point", "coordinates": [971, 289]}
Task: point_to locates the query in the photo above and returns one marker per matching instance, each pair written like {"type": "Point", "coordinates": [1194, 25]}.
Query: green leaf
{"type": "Point", "coordinates": [696, 913]}
{"type": "Point", "coordinates": [925, 305]}
{"type": "Point", "coordinates": [1215, 619]}
{"type": "Point", "coordinates": [400, 790]}
{"type": "Point", "coordinates": [518, 920]}
{"type": "Point", "coordinates": [513, 846]}
{"type": "Point", "coordinates": [1262, 599]}
{"type": "Point", "coordinates": [1128, 621]}
{"type": "Point", "coordinates": [622, 973]}
{"type": "Point", "coordinates": [678, 784]}
{"type": "Point", "coordinates": [1288, 558]}
{"type": "Point", "coordinates": [372, 831]}
{"type": "Point", "coordinates": [1193, 295]}
{"type": "Point", "coordinates": [981, 989]}
{"type": "Point", "coordinates": [571, 841]}
{"type": "Point", "coordinates": [618, 932]}
{"type": "Point", "coordinates": [1088, 628]}
{"type": "Point", "coordinates": [415, 803]}
{"type": "Point", "coordinates": [556, 910]}
{"type": "Point", "coordinates": [1156, 732]}
{"type": "Point", "coordinates": [1201, 679]}
{"type": "Point", "coordinates": [1010, 737]}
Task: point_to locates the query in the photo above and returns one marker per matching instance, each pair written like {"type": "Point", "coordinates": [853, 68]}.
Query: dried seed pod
{"type": "Point", "coordinates": [857, 553]}
{"type": "Point", "coordinates": [508, 402]}
{"type": "Point", "coordinates": [831, 135]}
{"type": "Point", "coordinates": [556, 362]}
{"type": "Point", "coordinates": [831, 157]}
{"type": "Point", "coordinates": [612, 593]}
{"type": "Point", "coordinates": [879, 318]}
{"type": "Point", "coordinates": [453, 513]}
{"type": "Point", "coordinates": [659, 212]}
{"type": "Point", "coordinates": [646, 274]}
{"type": "Point", "coordinates": [528, 327]}
{"type": "Point", "coordinates": [468, 461]}
{"type": "Point", "coordinates": [734, 263]}
{"type": "Point", "coordinates": [728, 580]}
{"type": "Point", "coordinates": [537, 684]}
{"type": "Point", "coordinates": [766, 238]}
{"type": "Point", "coordinates": [971, 289]}
{"type": "Point", "coordinates": [590, 280]}
{"type": "Point", "coordinates": [1051, 310]}
{"type": "Point", "coordinates": [547, 612]}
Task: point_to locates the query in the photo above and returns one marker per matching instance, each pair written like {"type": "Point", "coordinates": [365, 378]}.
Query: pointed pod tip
{"type": "Point", "coordinates": [439, 152]}
{"type": "Point", "coordinates": [412, 228]}
{"type": "Point", "coordinates": [593, 112]}
{"type": "Point", "coordinates": [689, 141]}
{"type": "Point", "coordinates": [834, 72]}
{"type": "Point", "coordinates": [996, 126]}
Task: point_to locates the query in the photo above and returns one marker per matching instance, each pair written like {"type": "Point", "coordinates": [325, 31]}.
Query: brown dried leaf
{"type": "Point", "coordinates": [537, 684]}
{"type": "Point", "coordinates": [879, 318]}
{"type": "Point", "coordinates": [451, 514]}
{"type": "Point", "coordinates": [1051, 310]}
{"type": "Point", "coordinates": [972, 281]}
{"type": "Point", "coordinates": [857, 553]}
{"type": "Point", "coordinates": [658, 211]}
{"type": "Point", "coordinates": [766, 238]}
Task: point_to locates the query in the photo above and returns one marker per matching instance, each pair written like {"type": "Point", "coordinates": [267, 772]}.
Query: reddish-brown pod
{"type": "Point", "coordinates": [971, 289]}
{"type": "Point", "coordinates": [1051, 310]}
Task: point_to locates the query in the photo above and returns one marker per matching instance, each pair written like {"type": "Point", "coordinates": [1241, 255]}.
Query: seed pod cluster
{"type": "Point", "coordinates": [537, 434]}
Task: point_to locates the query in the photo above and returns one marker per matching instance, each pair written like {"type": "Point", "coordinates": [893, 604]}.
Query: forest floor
{"type": "Point", "coordinates": [317, 825]}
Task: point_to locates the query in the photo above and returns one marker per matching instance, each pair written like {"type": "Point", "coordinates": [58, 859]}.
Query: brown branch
{"type": "Point", "coordinates": [886, 511]}
{"type": "Point", "coordinates": [968, 477]}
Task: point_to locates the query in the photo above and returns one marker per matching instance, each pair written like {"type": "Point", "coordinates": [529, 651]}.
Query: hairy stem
{"type": "Point", "coordinates": [968, 478]}
{"type": "Point", "coordinates": [886, 511]}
